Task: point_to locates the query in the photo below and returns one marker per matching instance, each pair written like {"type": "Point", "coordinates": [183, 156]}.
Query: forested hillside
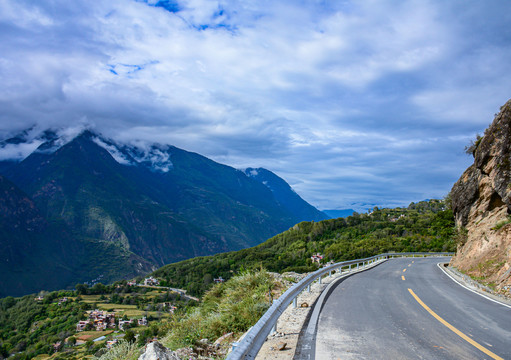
{"type": "Point", "coordinates": [86, 207]}
{"type": "Point", "coordinates": [423, 226]}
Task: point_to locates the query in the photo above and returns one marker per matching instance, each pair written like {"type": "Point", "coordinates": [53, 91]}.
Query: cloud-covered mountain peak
{"type": "Point", "coordinates": [17, 147]}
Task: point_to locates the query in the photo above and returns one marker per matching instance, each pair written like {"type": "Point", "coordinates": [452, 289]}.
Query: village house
{"type": "Point", "coordinates": [63, 300]}
{"type": "Point", "coordinates": [142, 322]}
{"type": "Point", "coordinates": [150, 281]}
{"type": "Point", "coordinates": [316, 258]}
{"type": "Point", "coordinates": [171, 308]}
{"type": "Point", "coordinates": [397, 218]}
{"type": "Point", "coordinates": [81, 325]}
{"type": "Point", "coordinates": [39, 298]}
{"type": "Point", "coordinates": [132, 283]}
{"type": "Point", "coordinates": [123, 323]}
{"type": "Point", "coordinates": [111, 343]}
{"type": "Point", "coordinates": [219, 280]}
{"type": "Point", "coordinates": [101, 320]}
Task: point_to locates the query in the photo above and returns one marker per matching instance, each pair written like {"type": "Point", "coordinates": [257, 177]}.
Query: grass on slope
{"type": "Point", "coordinates": [233, 306]}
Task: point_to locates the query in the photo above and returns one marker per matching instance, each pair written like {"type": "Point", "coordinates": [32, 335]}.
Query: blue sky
{"type": "Point", "coordinates": [351, 102]}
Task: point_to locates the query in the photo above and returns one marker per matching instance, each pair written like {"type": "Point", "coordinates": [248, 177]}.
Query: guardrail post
{"type": "Point", "coordinates": [274, 328]}
{"type": "Point", "coordinates": [357, 266]}
{"type": "Point", "coordinates": [320, 279]}
{"type": "Point", "coordinates": [330, 273]}
{"type": "Point", "coordinates": [295, 301]}
{"type": "Point", "coordinates": [309, 288]}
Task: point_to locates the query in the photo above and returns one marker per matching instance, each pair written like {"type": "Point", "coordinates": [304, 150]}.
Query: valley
{"type": "Point", "coordinates": [263, 180]}
{"type": "Point", "coordinates": [84, 207]}
{"type": "Point", "coordinates": [249, 273]}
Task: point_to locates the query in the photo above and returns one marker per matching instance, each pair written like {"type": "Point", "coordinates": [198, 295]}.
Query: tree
{"type": "Point", "coordinates": [208, 279]}
{"type": "Point", "coordinates": [89, 344]}
{"type": "Point", "coordinates": [8, 302]}
{"type": "Point", "coordinates": [81, 289]}
{"type": "Point", "coordinates": [471, 148]}
{"type": "Point", "coordinates": [4, 353]}
{"type": "Point", "coordinates": [98, 288]}
{"type": "Point", "coordinates": [129, 336]}
{"type": "Point", "coordinates": [71, 341]}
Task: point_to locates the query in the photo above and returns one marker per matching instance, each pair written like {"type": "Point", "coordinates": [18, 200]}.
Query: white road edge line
{"type": "Point", "coordinates": [466, 287]}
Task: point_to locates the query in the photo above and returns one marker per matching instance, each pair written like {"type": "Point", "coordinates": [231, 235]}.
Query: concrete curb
{"type": "Point", "coordinates": [470, 284]}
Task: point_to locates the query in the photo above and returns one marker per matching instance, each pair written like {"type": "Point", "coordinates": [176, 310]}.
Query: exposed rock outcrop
{"type": "Point", "coordinates": [481, 201]}
{"type": "Point", "coordinates": [156, 351]}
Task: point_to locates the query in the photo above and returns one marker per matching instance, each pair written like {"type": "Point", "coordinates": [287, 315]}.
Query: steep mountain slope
{"type": "Point", "coordinates": [481, 201]}
{"type": "Point", "coordinates": [142, 207]}
{"type": "Point", "coordinates": [40, 253]}
{"type": "Point", "coordinates": [24, 232]}
{"type": "Point", "coordinates": [285, 195]}
{"type": "Point", "coordinates": [423, 226]}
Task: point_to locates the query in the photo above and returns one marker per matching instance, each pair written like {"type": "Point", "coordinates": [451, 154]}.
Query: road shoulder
{"type": "Point", "coordinates": [470, 284]}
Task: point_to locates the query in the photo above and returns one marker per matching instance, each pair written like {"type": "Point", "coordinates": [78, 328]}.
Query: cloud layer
{"type": "Point", "coordinates": [351, 102]}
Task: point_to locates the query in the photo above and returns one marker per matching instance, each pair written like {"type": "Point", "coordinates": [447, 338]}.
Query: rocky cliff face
{"type": "Point", "coordinates": [481, 201]}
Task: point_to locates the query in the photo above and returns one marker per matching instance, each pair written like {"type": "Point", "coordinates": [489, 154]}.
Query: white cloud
{"type": "Point", "coordinates": [18, 152]}
{"type": "Point", "coordinates": [352, 88]}
{"type": "Point", "coordinates": [114, 151]}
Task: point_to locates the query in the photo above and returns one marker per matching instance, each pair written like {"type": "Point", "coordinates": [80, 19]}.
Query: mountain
{"type": "Point", "coordinates": [334, 214]}
{"type": "Point", "coordinates": [119, 210]}
{"type": "Point", "coordinates": [24, 232]}
{"type": "Point", "coordinates": [481, 201]}
{"type": "Point", "coordinates": [38, 253]}
{"type": "Point", "coordinates": [285, 195]}
{"type": "Point", "coordinates": [422, 226]}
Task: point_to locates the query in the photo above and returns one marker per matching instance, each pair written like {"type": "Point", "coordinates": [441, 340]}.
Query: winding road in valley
{"type": "Point", "coordinates": [410, 309]}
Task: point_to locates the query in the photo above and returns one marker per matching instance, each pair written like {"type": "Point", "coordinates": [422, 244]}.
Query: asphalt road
{"type": "Point", "coordinates": [409, 309]}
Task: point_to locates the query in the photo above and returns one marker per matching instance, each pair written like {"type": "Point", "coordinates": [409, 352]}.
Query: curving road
{"type": "Point", "coordinates": [409, 309]}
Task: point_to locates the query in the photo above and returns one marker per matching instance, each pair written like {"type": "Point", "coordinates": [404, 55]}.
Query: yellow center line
{"type": "Point", "coordinates": [453, 329]}
{"type": "Point", "coordinates": [404, 270]}
{"type": "Point", "coordinates": [403, 277]}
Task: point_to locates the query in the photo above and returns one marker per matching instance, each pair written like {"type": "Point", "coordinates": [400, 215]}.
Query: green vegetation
{"type": "Point", "coordinates": [501, 223]}
{"type": "Point", "coordinates": [233, 306]}
{"type": "Point", "coordinates": [32, 328]}
{"type": "Point", "coordinates": [471, 148]}
{"type": "Point", "coordinates": [125, 350]}
{"type": "Point", "coordinates": [29, 327]}
{"type": "Point", "coordinates": [127, 220]}
{"type": "Point", "coordinates": [423, 226]}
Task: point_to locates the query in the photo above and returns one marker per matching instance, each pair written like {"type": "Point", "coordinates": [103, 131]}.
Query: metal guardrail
{"type": "Point", "coordinates": [250, 345]}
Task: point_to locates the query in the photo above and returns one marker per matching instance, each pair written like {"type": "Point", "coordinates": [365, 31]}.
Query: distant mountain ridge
{"type": "Point", "coordinates": [119, 210]}
{"type": "Point", "coordinates": [334, 214]}
{"type": "Point", "coordinates": [285, 195]}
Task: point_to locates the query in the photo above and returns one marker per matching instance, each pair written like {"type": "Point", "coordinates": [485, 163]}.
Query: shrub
{"type": "Point", "coordinates": [471, 148]}
{"type": "Point", "coordinates": [124, 350]}
{"type": "Point", "coordinates": [501, 223]}
{"type": "Point", "coordinates": [233, 306]}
